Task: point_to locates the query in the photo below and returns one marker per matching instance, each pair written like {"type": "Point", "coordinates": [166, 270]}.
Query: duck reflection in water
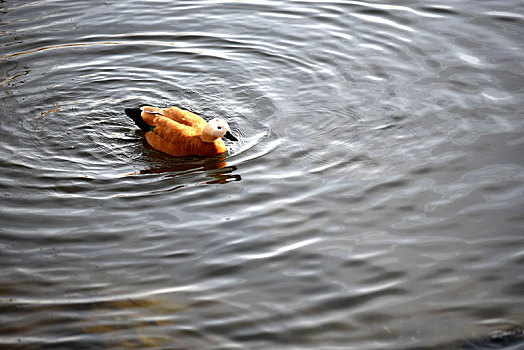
{"type": "Point", "coordinates": [215, 168]}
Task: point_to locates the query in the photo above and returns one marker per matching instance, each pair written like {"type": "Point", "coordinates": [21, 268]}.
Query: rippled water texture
{"type": "Point", "coordinates": [374, 201]}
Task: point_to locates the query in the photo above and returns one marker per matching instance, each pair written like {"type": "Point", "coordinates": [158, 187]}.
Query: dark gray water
{"type": "Point", "coordinates": [374, 201]}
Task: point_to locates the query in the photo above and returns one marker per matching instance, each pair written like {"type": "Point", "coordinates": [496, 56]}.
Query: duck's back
{"type": "Point", "coordinates": [185, 117]}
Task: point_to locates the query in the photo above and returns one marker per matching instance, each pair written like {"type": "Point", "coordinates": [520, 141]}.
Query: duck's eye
{"type": "Point", "coordinates": [219, 127]}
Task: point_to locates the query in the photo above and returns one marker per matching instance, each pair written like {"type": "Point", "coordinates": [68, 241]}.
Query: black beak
{"type": "Point", "coordinates": [230, 136]}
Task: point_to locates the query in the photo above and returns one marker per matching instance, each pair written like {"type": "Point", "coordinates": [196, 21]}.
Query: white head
{"type": "Point", "coordinates": [216, 128]}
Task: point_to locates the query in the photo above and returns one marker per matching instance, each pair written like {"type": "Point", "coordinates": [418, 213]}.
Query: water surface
{"type": "Point", "coordinates": [374, 201]}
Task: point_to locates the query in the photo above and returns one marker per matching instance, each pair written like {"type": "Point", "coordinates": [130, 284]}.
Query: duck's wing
{"type": "Point", "coordinates": [178, 115]}
{"type": "Point", "coordinates": [174, 138]}
{"type": "Point", "coordinates": [167, 127]}
{"type": "Point", "coordinates": [185, 117]}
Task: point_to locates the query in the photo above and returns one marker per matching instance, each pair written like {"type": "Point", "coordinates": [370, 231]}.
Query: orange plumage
{"type": "Point", "coordinates": [181, 133]}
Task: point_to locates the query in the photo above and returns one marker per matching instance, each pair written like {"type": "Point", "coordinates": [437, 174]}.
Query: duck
{"type": "Point", "coordinates": [179, 132]}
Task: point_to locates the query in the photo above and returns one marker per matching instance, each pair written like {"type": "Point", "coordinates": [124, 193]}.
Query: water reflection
{"type": "Point", "coordinates": [373, 201]}
{"type": "Point", "coordinates": [214, 167]}
{"type": "Point", "coordinates": [123, 324]}
{"type": "Point", "coordinates": [12, 73]}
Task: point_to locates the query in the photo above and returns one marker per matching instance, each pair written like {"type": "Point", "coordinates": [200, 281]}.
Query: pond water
{"type": "Point", "coordinates": [374, 200]}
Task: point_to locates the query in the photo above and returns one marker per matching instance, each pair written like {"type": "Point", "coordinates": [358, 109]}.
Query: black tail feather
{"type": "Point", "coordinates": [136, 115]}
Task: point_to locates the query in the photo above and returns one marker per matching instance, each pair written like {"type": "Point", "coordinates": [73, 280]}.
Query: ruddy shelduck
{"type": "Point", "coordinates": [181, 133]}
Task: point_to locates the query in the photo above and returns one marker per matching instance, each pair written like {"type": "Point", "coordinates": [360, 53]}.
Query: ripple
{"type": "Point", "coordinates": [374, 197]}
